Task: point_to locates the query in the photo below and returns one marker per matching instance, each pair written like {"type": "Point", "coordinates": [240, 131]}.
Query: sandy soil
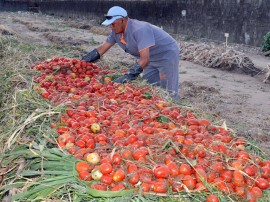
{"type": "Point", "coordinates": [240, 100]}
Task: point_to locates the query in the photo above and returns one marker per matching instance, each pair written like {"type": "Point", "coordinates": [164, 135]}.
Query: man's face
{"type": "Point", "coordinates": [118, 26]}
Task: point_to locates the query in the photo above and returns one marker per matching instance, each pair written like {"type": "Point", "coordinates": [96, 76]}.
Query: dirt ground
{"type": "Point", "coordinates": [240, 100]}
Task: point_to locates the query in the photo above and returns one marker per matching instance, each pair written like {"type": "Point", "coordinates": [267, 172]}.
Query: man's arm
{"type": "Point", "coordinates": [95, 54]}
{"type": "Point", "coordinates": [103, 48]}
{"type": "Point", "coordinates": [144, 58]}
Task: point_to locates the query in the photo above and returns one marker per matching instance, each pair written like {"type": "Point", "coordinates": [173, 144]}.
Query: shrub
{"type": "Point", "coordinates": [266, 42]}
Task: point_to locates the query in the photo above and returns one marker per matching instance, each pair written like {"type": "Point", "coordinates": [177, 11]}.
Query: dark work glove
{"type": "Point", "coordinates": [91, 56]}
{"type": "Point", "coordinates": [132, 74]}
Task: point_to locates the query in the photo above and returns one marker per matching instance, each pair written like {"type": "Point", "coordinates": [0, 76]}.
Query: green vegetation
{"type": "Point", "coordinates": [266, 43]}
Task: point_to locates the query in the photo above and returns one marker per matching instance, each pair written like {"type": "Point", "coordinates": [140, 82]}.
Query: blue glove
{"type": "Point", "coordinates": [91, 56]}
{"type": "Point", "coordinates": [132, 74]}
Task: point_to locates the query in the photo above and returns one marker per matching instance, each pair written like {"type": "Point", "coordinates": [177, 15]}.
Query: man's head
{"type": "Point", "coordinates": [113, 14]}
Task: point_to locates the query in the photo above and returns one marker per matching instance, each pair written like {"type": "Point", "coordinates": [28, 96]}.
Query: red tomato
{"type": "Point", "coordinates": [262, 183]}
{"type": "Point", "coordinates": [265, 163]}
{"type": "Point", "coordinates": [119, 175]}
{"type": "Point", "coordinates": [185, 169]}
{"type": "Point", "coordinates": [80, 143]}
{"type": "Point", "coordinates": [212, 198]}
{"type": "Point", "coordinates": [101, 137]}
{"type": "Point", "coordinates": [240, 191]}
{"type": "Point", "coordinates": [105, 168]}
{"type": "Point", "coordinates": [126, 154]}
{"type": "Point", "coordinates": [133, 178]}
{"type": "Point", "coordinates": [106, 179]}
{"type": "Point", "coordinates": [217, 167]}
{"type": "Point", "coordinates": [242, 155]}
{"type": "Point", "coordinates": [99, 186]}
{"type": "Point", "coordinates": [160, 187]}
{"type": "Point", "coordinates": [116, 159]}
{"type": "Point", "coordinates": [174, 170]}
{"type": "Point", "coordinates": [226, 175]}
{"type": "Point", "coordinates": [118, 187]}
{"type": "Point", "coordinates": [45, 94]}
{"type": "Point", "coordinates": [211, 177]}
{"type": "Point", "coordinates": [105, 159]}
{"type": "Point", "coordinates": [132, 138]}
{"type": "Point", "coordinates": [138, 154]}
{"type": "Point", "coordinates": [85, 175]}
{"type": "Point", "coordinates": [201, 175]}
{"type": "Point", "coordinates": [91, 143]}
{"type": "Point", "coordinates": [176, 187]}
{"type": "Point", "coordinates": [250, 170]}
{"type": "Point", "coordinates": [148, 130]}
{"type": "Point", "coordinates": [145, 187]}
{"type": "Point", "coordinates": [266, 172]}
{"type": "Point", "coordinates": [256, 191]}
{"type": "Point", "coordinates": [82, 166]}
{"type": "Point", "coordinates": [238, 178]}
{"type": "Point", "coordinates": [161, 171]}
{"type": "Point", "coordinates": [132, 168]}
{"type": "Point", "coordinates": [189, 181]}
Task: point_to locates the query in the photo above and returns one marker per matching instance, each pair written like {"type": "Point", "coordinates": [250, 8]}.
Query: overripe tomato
{"type": "Point", "coordinates": [93, 158]}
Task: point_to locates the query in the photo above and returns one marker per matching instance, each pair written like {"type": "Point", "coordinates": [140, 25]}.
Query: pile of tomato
{"type": "Point", "coordinates": [130, 138]}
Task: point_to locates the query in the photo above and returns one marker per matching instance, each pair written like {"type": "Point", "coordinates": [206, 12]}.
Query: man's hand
{"type": "Point", "coordinates": [91, 56]}
{"type": "Point", "coordinates": [132, 74]}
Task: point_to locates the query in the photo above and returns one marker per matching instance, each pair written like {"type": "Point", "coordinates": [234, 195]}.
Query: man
{"type": "Point", "coordinates": [156, 51]}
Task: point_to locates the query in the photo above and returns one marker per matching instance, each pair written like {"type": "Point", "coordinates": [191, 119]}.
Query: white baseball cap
{"type": "Point", "coordinates": [113, 14]}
